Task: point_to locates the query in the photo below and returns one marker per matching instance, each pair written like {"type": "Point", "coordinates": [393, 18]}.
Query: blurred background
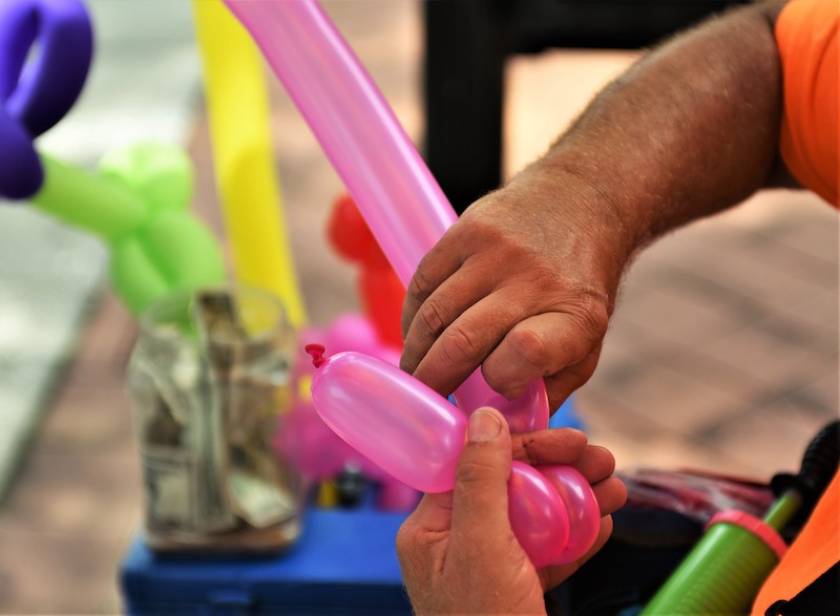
{"type": "Point", "coordinates": [722, 355]}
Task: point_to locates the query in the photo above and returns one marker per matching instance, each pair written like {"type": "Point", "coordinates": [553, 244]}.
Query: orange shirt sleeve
{"type": "Point", "coordinates": [806, 35]}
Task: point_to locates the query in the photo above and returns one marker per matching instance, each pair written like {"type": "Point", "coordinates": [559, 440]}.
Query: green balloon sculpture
{"type": "Point", "coordinates": [137, 202]}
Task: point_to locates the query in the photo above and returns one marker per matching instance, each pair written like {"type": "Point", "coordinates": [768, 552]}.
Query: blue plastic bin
{"type": "Point", "coordinates": [344, 563]}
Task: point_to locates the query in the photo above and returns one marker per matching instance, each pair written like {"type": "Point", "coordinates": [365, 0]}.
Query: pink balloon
{"type": "Point", "coordinates": [353, 332]}
{"type": "Point", "coordinates": [416, 436]}
{"type": "Point", "coordinates": [408, 429]}
{"type": "Point", "coordinates": [538, 515]}
{"type": "Point", "coordinates": [396, 496]}
{"type": "Point", "coordinates": [399, 198]}
{"type": "Point", "coordinates": [527, 413]}
{"type": "Point", "coordinates": [581, 505]}
{"type": "Point", "coordinates": [305, 440]}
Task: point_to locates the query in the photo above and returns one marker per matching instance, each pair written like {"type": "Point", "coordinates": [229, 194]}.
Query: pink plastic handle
{"type": "Point", "coordinates": [416, 436]}
{"type": "Point", "coordinates": [400, 200]}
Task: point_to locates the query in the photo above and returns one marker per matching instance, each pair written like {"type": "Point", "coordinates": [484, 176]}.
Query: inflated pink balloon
{"type": "Point", "coordinates": [306, 441]}
{"type": "Point", "coordinates": [581, 505]}
{"type": "Point", "coordinates": [417, 436]}
{"type": "Point", "coordinates": [400, 424]}
{"type": "Point", "coordinates": [526, 413]}
{"type": "Point", "coordinates": [393, 188]}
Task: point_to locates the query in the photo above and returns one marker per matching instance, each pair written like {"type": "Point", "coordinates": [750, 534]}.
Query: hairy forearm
{"type": "Point", "coordinates": [690, 129]}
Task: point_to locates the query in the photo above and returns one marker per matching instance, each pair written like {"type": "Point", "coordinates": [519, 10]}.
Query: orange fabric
{"type": "Point", "coordinates": [815, 550]}
{"type": "Point", "coordinates": [806, 35]}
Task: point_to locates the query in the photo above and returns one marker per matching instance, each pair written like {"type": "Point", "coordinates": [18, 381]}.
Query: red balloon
{"type": "Point", "coordinates": [382, 296]}
{"type": "Point", "coordinates": [350, 236]}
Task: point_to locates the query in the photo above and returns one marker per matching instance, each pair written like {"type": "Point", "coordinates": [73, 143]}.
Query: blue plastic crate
{"type": "Point", "coordinates": [344, 563]}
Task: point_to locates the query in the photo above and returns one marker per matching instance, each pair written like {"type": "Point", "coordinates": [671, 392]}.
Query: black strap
{"type": "Point", "coordinates": [822, 596]}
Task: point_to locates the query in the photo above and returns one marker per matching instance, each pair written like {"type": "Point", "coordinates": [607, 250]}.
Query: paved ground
{"type": "Point", "coordinates": [723, 352]}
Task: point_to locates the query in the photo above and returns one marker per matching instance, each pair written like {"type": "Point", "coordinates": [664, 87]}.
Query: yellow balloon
{"type": "Point", "coordinates": [237, 103]}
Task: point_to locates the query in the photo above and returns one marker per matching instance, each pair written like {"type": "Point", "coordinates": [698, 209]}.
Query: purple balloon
{"type": "Point", "coordinates": [21, 174]}
{"type": "Point", "coordinates": [36, 93]}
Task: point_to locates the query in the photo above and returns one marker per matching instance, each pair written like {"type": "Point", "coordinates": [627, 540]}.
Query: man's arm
{"type": "Point", "coordinates": [690, 129]}
{"type": "Point", "coordinates": [525, 282]}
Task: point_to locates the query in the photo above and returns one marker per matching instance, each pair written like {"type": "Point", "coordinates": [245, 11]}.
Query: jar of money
{"type": "Point", "coordinates": [209, 379]}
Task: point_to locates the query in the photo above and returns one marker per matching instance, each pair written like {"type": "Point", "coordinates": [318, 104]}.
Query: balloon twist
{"type": "Point", "coordinates": [416, 435]}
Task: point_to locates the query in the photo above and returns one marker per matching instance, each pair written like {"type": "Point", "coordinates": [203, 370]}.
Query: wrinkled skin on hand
{"type": "Point", "coordinates": [523, 284]}
{"type": "Point", "coordinates": [457, 550]}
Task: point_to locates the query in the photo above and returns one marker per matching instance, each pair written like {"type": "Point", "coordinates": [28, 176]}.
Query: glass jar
{"type": "Point", "coordinates": [209, 378]}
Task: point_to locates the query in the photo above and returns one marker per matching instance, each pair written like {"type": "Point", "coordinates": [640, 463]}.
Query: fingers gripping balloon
{"type": "Point", "coordinates": [416, 435]}
{"type": "Point", "coordinates": [400, 200]}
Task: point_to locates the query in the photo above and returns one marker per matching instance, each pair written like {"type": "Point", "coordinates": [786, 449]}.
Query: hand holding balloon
{"type": "Point", "coordinates": [416, 435]}
{"type": "Point", "coordinates": [457, 549]}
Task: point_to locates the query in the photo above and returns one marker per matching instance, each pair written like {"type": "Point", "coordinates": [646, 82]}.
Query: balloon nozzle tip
{"type": "Point", "coordinates": [316, 351]}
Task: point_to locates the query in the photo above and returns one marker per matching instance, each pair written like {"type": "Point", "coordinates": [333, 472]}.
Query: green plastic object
{"type": "Point", "coordinates": [137, 202]}
{"type": "Point", "coordinates": [725, 570]}
{"type": "Point", "coordinates": [721, 575]}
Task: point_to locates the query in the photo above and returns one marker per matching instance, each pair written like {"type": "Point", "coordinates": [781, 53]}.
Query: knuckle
{"type": "Point", "coordinates": [421, 285]}
{"type": "Point", "coordinates": [530, 346]}
{"type": "Point", "coordinates": [431, 317]}
{"type": "Point", "coordinates": [458, 345]}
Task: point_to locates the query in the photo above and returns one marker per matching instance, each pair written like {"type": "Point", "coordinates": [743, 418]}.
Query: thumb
{"type": "Point", "coordinates": [480, 499]}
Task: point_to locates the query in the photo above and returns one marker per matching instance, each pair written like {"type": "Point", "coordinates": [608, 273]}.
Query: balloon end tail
{"type": "Point", "coordinates": [316, 351]}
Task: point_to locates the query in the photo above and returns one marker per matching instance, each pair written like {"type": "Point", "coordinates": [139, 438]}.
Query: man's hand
{"type": "Point", "coordinates": [457, 550]}
{"type": "Point", "coordinates": [523, 283]}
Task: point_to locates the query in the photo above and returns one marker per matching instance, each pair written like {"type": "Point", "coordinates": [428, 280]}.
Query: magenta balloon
{"type": "Point", "coordinates": [397, 422]}
{"type": "Point", "coordinates": [352, 332]}
{"type": "Point", "coordinates": [396, 496]}
{"type": "Point", "coordinates": [581, 506]}
{"type": "Point", "coordinates": [527, 413]}
{"type": "Point", "coordinates": [416, 436]}
{"type": "Point", "coordinates": [537, 515]}
{"type": "Point", "coordinates": [304, 440]}
{"type": "Point", "coordinates": [399, 198]}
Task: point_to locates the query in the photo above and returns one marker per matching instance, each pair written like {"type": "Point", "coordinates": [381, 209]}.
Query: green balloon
{"type": "Point", "coordinates": [138, 204]}
{"type": "Point", "coordinates": [160, 174]}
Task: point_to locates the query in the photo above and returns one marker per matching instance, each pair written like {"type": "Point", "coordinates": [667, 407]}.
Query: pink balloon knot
{"type": "Point", "coordinates": [317, 352]}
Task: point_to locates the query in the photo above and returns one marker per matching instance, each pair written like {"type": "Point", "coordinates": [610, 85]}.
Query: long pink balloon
{"type": "Point", "coordinates": [416, 435]}
{"type": "Point", "coordinates": [397, 195]}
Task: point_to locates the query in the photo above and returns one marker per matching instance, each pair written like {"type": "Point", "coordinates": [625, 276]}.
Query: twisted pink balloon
{"type": "Point", "coordinates": [399, 198]}
{"type": "Point", "coordinates": [416, 435]}
{"type": "Point", "coordinates": [305, 440]}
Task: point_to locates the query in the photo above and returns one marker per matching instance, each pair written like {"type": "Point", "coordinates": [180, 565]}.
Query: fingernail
{"type": "Point", "coordinates": [484, 426]}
